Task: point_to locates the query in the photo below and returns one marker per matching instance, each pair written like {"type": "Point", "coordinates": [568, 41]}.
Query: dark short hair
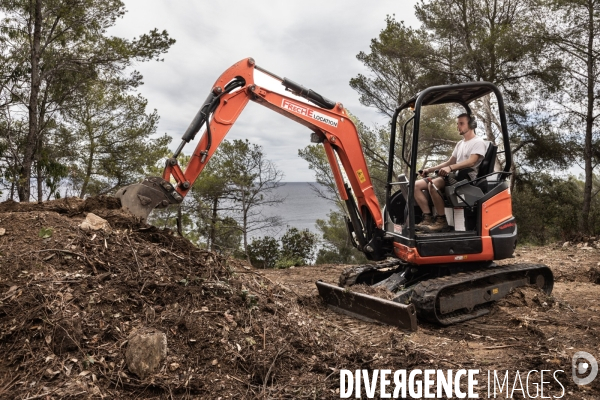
{"type": "Point", "coordinates": [464, 115]}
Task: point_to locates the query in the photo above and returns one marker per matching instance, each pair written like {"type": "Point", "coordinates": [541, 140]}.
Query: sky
{"type": "Point", "coordinates": [314, 43]}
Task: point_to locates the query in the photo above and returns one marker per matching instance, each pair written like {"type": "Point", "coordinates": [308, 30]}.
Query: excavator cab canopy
{"type": "Point", "coordinates": [461, 94]}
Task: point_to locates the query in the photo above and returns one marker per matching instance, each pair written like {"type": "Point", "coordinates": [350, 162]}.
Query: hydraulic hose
{"type": "Point", "coordinates": [203, 116]}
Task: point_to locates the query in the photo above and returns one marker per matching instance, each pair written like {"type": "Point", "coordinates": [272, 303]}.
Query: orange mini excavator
{"type": "Point", "coordinates": [441, 277]}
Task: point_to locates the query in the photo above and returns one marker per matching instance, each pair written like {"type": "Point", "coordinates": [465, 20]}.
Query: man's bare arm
{"type": "Point", "coordinates": [468, 163]}
{"type": "Point", "coordinates": [450, 161]}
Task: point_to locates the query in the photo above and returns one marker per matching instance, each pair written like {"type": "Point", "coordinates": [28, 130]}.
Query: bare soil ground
{"type": "Point", "coordinates": [526, 331]}
{"type": "Point", "coordinates": [70, 299]}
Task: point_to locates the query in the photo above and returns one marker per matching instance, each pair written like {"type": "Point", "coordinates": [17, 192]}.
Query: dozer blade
{"type": "Point", "coordinates": [141, 198]}
{"type": "Point", "coordinates": [368, 308]}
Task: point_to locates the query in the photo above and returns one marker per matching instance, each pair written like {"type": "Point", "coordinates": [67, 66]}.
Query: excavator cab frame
{"type": "Point", "coordinates": [474, 243]}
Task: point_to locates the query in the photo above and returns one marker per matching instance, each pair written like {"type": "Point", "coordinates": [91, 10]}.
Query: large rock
{"type": "Point", "coordinates": [145, 352]}
{"type": "Point", "coordinates": [93, 222]}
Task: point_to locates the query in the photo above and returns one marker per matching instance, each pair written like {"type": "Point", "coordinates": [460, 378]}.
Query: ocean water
{"type": "Point", "coordinates": [301, 208]}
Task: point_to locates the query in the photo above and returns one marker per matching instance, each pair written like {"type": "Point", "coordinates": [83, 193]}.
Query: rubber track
{"type": "Point", "coordinates": [349, 275]}
{"type": "Point", "coordinates": [425, 293]}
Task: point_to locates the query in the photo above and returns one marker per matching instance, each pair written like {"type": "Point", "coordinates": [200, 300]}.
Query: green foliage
{"type": "Point", "coordinates": [109, 140]}
{"type": "Point", "coordinates": [298, 246]}
{"type": "Point", "coordinates": [224, 206]}
{"type": "Point", "coordinates": [53, 52]}
{"type": "Point", "coordinates": [337, 248]}
{"type": "Point", "coordinates": [45, 233]}
{"type": "Point", "coordinates": [287, 262]}
{"type": "Point", "coordinates": [250, 180]}
{"type": "Point", "coordinates": [547, 208]}
{"type": "Point", "coordinates": [264, 252]}
{"type": "Point", "coordinates": [397, 61]}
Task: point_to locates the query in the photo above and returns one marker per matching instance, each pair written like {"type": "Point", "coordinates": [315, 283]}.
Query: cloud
{"type": "Point", "coordinates": [311, 42]}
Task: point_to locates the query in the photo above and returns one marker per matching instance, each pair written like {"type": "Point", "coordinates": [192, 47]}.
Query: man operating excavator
{"type": "Point", "coordinates": [463, 164]}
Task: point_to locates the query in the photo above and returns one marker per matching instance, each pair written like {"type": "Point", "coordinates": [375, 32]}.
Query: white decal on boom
{"type": "Point", "coordinates": [303, 110]}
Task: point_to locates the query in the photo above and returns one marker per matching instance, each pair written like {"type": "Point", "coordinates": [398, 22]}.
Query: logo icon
{"type": "Point", "coordinates": [581, 367]}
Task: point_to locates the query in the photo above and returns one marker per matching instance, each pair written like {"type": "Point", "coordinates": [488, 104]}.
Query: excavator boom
{"type": "Point", "coordinates": [230, 94]}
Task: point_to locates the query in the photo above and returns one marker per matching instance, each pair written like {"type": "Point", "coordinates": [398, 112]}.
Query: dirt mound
{"type": "Point", "coordinates": [70, 299]}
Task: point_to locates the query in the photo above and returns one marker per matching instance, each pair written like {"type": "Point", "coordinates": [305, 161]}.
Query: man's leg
{"type": "Point", "coordinates": [438, 201]}
{"type": "Point", "coordinates": [422, 201]}
{"type": "Point", "coordinates": [440, 223]}
{"type": "Point", "coordinates": [420, 197]}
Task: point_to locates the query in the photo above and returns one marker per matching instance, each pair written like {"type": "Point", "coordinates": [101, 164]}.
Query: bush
{"type": "Point", "coordinates": [337, 248]}
{"type": "Point", "coordinates": [298, 246]}
{"type": "Point", "coordinates": [547, 208]}
{"type": "Point", "coordinates": [264, 252]}
{"type": "Point", "coordinates": [285, 262]}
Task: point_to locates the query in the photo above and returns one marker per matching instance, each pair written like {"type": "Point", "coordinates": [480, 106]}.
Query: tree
{"type": "Point", "coordinates": [108, 137]}
{"type": "Point", "coordinates": [496, 41]}
{"type": "Point", "coordinates": [397, 65]}
{"type": "Point", "coordinates": [337, 248]}
{"type": "Point", "coordinates": [51, 48]}
{"type": "Point", "coordinates": [459, 41]}
{"type": "Point", "coordinates": [574, 34]}
{"type": "Point", "coordinates": [297, 247]}
{"type": "Point", "coordinates": [212, 201]}
{"type": "Point", "coordinates": [314, 155]}
{"type": "Point", "coordinates": [547, 207]}
{"type": "Point", "coordinates": [264, 252]}
{"type": "Point", "coordinates": [252, 179]}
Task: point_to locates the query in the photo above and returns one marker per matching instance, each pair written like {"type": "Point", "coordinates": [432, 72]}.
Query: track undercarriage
{"type": "Point", "coordinates": [432, 293]}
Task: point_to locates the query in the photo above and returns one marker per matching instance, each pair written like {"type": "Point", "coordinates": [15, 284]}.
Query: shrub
{"type": "Point", "coordinates": [264, 252]}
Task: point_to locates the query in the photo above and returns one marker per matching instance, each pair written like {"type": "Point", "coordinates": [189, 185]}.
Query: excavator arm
{"type": "Point", "coordinates": [328, 121]}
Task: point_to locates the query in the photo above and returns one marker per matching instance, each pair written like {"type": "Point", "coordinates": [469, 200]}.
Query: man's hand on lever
{"type": "Point", "coordinates": [444, 171]}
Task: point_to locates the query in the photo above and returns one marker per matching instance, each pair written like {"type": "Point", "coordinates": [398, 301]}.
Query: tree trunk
{"type": "Point", "coordinates": [245, 225]}
{"type": "Point", "coordinates": [24, 186]}
{"type": "Point", "coordinates": [589, 124]}
{"type": "Point", "coordinates": [88, 168]}
{"type": "Point", "coordinates": [213, 223]}
{"type": "Point", "coordinates": [513, 177]}
{"type": "Point", "coordinates": [39, 181]}
{"type": "Point", "coordinates": [179, 221]}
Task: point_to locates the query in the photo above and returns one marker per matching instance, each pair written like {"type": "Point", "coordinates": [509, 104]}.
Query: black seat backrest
{"type": "Point", "coordinates": [489, 161]}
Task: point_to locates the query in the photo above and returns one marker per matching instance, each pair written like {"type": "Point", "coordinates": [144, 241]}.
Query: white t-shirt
{"type": "Point", "coordinates": [464, 149]}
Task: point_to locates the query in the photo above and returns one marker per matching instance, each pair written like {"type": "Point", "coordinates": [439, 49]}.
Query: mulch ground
{"type": "Point", "coordinates": [70, 299]}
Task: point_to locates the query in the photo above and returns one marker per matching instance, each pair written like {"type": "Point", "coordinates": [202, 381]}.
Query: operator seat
{"type": "Point", "coordinates": [487, 167]}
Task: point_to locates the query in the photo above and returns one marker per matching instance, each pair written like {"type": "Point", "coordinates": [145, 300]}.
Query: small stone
{"type": "Point", "coordinates": [2, 231]}
{"type": "Point", "coordinates": [214, 362]}
{"type": "Point", "coordinates": [145, 352]}
{"type": "Point", "coordinates": [173, 367]}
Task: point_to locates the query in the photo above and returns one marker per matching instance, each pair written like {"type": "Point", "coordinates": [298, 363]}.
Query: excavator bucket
{"type": "Point", "coordinates": [368, 308]}
{"type": "Point", "coordinates": [141, 198]}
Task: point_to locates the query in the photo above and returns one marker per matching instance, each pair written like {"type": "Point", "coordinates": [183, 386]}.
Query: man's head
{"type": "Point", "coordinates": [465, 123]}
